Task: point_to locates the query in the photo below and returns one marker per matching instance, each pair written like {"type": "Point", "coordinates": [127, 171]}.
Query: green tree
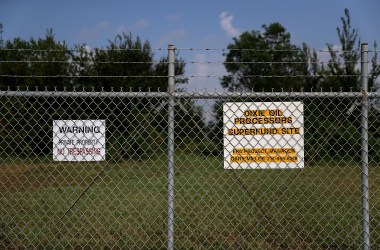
{"type": "Point", "coordinates": [36, 63]}
{"type": "Point", "coordinates": [312, 69]}
{"type": "Point", "coordinates": [342, 72]}
{"type": "Point", "coordinates": [30, 64]}
{"type": "Point", "coordinates": [264, 60]}
{"type": "Point", "coordinates": [134, 128]}
{"type": "Point", "coordinates": [129, 63]}
{"type": "Point", "coordinates": [125, 63]}
{"type": "Point", "coordinates": [343, 65]}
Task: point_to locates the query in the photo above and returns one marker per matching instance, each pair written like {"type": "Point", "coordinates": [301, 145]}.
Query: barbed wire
{"type": "Point", "coordinates": [91, 61]}
{"type": "Point", "coordinates": [273, 76]}
{"type": "Point", "coordinates": [265, 50]}
{"type": "Point", "coordinates": [178, 76]}
{"type": "Point", "coordinates": [78, 76]}
{"type": "Point", "coordinates": [259, 62]}
{"type": "Point", "coordinates": [180, 49]}
{"type": "Point", "coordinates": [82, 50]}
{"type": "Point", "coordinates": [78, 62]}
{"type": "Point", "coordinates": [163, 62]}
{"type": "Point", "coordinates": [193, 93]}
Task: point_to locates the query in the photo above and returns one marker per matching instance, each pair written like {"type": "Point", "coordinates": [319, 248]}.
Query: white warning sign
{"type": "Point", "coordinates": [263, 135]}
{"type": "Point", "coordinates": [79, 140]}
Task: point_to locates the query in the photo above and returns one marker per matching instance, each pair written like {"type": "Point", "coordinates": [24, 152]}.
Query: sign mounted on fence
{"type": "Point", "coordinates": [79, 140]}
{"type": "Point", "coordinates": [263, 135]}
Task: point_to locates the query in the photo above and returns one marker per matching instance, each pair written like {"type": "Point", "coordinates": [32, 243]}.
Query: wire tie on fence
{"type": "Point", "coordinates": [365, 93]}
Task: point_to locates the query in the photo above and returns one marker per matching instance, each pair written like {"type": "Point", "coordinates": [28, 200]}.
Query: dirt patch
{"type": "Point", "coordinates": [36, 177]}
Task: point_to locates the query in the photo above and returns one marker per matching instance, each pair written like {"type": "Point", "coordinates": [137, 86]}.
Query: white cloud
{"type": "Point", "coordinates": [141, 24]}
{"type": "Point", "coordinates": [204, 65]}
{"type": "Point", "coordinates": [94, 32]}
{"type": "Point", "coordinates": [225, 21]}
{"type": "Point", "coordinates": [172, 37]}
{"type": "Point", "coordinates": [122, 29]}
{"type": "Point", "coordinates": [174, 17]}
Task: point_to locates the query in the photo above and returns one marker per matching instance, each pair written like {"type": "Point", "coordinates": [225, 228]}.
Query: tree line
{"type": "Point", "coordinates": [136, 127]}
{"type": "Point", "coordinates": [256, 60]}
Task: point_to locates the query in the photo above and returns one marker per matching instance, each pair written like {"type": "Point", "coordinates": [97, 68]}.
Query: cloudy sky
{"type": "Point", "coordinates": [187, 24]}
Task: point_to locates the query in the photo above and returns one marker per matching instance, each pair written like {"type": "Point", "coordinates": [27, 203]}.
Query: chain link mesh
{"type": "Point", "coordinates": [121, 202]}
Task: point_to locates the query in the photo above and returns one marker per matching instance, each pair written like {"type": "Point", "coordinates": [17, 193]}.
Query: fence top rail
{"type": "Point", "coordinates": [194, 95]}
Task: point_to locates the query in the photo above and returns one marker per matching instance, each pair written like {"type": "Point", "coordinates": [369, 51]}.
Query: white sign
{"type": "Point", "coordinates": [263, 135]}
{"type": "Point", "coordinates": [79, 140]}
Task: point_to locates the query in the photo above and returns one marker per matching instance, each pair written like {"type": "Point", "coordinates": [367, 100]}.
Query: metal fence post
{"type": "Point", "coordinates": [171, 89]}
{"type": "Point", "coordinates": [364, 146]}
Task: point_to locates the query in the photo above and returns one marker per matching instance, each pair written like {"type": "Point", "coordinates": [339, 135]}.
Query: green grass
{"type": "Point", "coordinates": [126, 206]}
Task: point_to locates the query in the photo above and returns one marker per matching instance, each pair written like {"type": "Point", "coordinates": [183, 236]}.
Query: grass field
{"type": "Point", "coordinates": [124, 205]}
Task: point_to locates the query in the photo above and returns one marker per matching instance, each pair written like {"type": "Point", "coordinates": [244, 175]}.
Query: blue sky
{"type": "Point", "coordinates": [186, 24]}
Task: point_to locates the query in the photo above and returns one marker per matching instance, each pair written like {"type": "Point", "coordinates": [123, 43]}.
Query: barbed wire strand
{"type": "Point", "coordinates": [78, 62]}
{"type": "Point", "coordinates": [181, 49]}
{"type": "Point", "coordinates": [67, 76]}
{"type": "Point", "coordinates": [267, 50]}
{"type": "Point", "coordinates": [159, 62]}
{"type": "Point", "coordinates": [82, 50]}
{"type": "Point", "coordinates": [184, 76]}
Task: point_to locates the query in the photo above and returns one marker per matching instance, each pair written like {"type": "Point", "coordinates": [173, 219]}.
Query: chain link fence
{"type": "Point", "coordinates": [147, 170]}
{"type": "Point", "coordinates": [121, 202]}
